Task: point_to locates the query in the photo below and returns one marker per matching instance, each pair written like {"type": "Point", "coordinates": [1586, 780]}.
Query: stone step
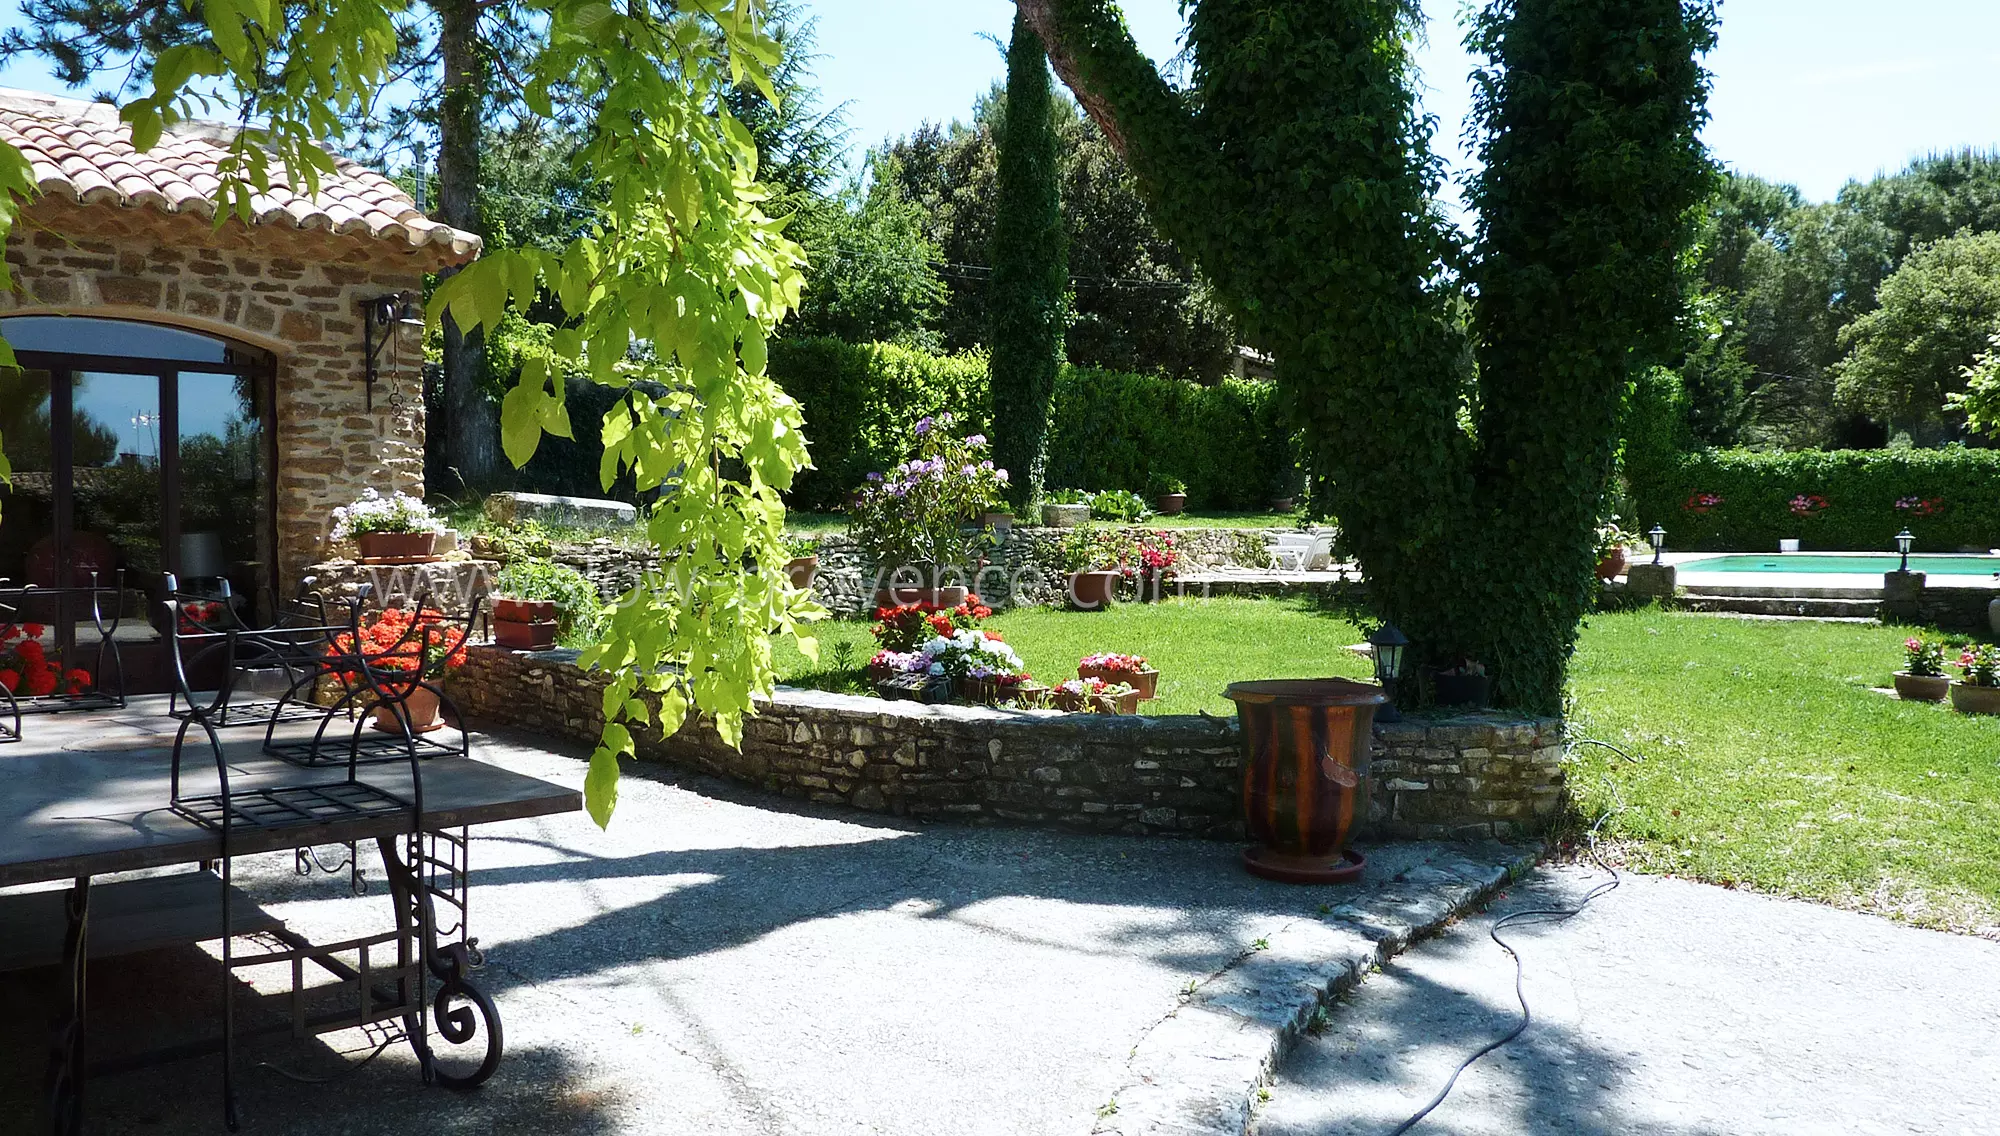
{"type": "Point", "coordinates": [1806, 607]}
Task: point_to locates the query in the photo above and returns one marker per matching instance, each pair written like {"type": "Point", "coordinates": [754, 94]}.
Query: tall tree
{"type": "Point", "coordinates": [1909, 356]}
{"type": "Point", "coordinates": [1030, 271]}
{"type": "Point", "coordinates": [1295, 168]}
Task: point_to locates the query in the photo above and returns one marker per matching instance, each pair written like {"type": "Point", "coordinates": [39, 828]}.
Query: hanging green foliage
{"type": "Point", "coordinates": [1030, 270]}
{"type": "Point", "coordinates": [672, 296]}
{"type": "Point", "coordinates": [1295, 167]}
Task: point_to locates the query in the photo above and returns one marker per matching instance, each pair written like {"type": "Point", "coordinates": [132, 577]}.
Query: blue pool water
{"type": "Point", "coordinates": [1850, 563]}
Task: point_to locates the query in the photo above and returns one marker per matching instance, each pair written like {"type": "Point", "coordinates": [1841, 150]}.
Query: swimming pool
{"type": "Point", "coordinates": [1844, 563]}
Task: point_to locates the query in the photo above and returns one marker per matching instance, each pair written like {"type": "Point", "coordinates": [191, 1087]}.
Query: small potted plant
{"type": "Point", "coordinates": [1978, 691]}
{"type": "Point", "coordinates": [1129, 669]}
{"type": "Point", "coordinates": [537, 602]}
{"type": "Point", "coordinates": [1089, 557]}
{"type": "Point", "coordinates": [1065, 508]}
{"type": "Point", "coordinates": [398, 529]}
{"type": "Point", "coordinates": [803, 565]}
{"type": "Point", "coordinates": [1096, 696]}
{"type": "Point", "coordinates": [417, 649]}
{"type": "Point", "coordinates": [1922, 678]}
{"type": "Point", "coordinates": [1612, 545]}
{"type": "Point", "coordinates": [1169, 495]}
{"type": "Point", "coordinates": [1464, 684]}
{"type": "Point", "coordinates": [910, 521]}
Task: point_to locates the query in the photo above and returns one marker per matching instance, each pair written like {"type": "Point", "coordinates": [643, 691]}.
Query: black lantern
{"type": "Point", "coordinates": [377, 317]}
{"type": "Point", "coordinates": [1657, 537]}
{"type": "Point", "coordinates": [1904, 541]}
{"type": "Point", "coordinates": [1389, 645]}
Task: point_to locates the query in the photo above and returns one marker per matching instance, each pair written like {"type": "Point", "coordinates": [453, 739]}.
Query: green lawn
{"type": "Point", "coordinates": [1199, 646]}
{"type": "Point", "coordinates": [819, 524]}
{"type": "Point", "coordinates": [1767, 760]}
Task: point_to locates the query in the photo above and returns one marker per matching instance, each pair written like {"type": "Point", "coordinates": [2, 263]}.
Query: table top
{"type": "Point", "coordinates": [90, 796]}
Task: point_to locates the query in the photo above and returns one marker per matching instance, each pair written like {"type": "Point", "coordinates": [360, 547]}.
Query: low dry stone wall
{"type": "Point", "coordinates": [1024, 569]}
{"type": "Point", "coordinates": [448, 585]}
{"type": "Point", "coordinates": [1472, 776]}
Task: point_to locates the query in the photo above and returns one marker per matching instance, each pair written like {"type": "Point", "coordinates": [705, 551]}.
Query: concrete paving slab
{"type": "Point", "coordinates": [1668, 1008]}
{"type": "Point", "coordinates": [718, 962]}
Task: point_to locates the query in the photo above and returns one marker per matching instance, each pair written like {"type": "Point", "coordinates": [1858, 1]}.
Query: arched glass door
{"type": "Point", "coordinates": [139, 448]}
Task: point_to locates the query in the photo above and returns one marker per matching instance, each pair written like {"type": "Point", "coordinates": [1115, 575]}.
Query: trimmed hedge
{"type": "Point", "coordinates": [1860, 487]}
{"type": "Point", "coordinates": [862, 403]}
{"type": "Point", "coordinates": [1115, 430]}
{"type": "Point", "coordinates": [1112, 430]}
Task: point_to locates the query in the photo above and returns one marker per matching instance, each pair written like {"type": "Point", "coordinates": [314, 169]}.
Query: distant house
{"type": "Point", "coordinates": [193, 396]}
{"type": "Point", "coordinates": [1250, 363]}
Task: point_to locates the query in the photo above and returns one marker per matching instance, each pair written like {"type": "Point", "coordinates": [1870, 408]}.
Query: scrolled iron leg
{"type": "Point", "coordinates": [462, 1010]}
{"type": "Point", "coordinates": [66, 1057]}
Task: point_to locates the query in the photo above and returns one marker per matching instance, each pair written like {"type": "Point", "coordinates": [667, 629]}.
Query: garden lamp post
{"type": "Point", "coordinates": [1657, 537]}
{"type": "Point", "coordinates": [1389, 645]}
{"type": "Point", "coordinates": [1904, 541]}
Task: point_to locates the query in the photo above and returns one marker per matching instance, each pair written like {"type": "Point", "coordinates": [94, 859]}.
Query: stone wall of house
{"type": "Point", "coordinates": [296, 293]}
{"type": "Point", "coordinates": [1025, 569]}
{"type": "Point", "coordinates": [1467, 776]}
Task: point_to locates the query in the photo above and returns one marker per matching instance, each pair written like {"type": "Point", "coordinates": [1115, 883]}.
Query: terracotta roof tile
{"type": "Point", "coordinates": [81, 151]}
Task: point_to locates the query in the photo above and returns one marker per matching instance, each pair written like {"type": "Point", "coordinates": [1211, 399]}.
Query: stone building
{"type": "Point", "coordinates": [195, 396]}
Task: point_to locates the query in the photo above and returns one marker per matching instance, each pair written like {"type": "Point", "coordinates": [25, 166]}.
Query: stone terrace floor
{"type": "Point", "coordinates": [721, 962]}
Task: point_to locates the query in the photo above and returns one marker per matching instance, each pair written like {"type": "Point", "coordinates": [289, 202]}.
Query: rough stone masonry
{"type": "Point", "coordinates": [1467, 776]}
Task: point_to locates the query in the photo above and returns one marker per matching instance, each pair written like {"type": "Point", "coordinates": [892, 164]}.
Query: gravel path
{"type": "Point", "coordinates": [720, 963]}
{"type": "Point", "coordinates": [1667, 1008]}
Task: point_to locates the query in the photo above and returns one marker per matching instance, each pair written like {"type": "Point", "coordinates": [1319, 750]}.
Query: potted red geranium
{"type": "Point", "coordinates": [418, 648]}
{"type": "Point", "coordinates": [1979, 690]}
{"type": "Point", "coordinates": [27, 668]}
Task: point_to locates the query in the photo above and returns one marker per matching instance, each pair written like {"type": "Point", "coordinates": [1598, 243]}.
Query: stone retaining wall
{"type": "Point", "coordinates": [1023, 570]}
{"type": "Point", "coordinates": [1468, 776]}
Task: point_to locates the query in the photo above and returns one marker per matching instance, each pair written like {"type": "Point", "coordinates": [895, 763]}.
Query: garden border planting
{"type": "Point", "coordinates": [1465, 777]}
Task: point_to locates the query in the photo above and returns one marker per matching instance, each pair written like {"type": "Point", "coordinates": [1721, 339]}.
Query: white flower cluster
{"type": "Point", "coordinates": [374, 513]}
{"type": "Point", "coordinates": [975, 645]}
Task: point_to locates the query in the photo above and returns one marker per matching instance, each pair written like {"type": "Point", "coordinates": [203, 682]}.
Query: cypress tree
{"type": "Point", "coordinates": [1030, 258]}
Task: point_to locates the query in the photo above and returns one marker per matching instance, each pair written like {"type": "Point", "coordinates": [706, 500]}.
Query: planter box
{"type": "Point", "coordinates": [914, 688]}
{"type": "Point", "coordinates": [523, 611]}
{"type": "Point", "coordinates": [1095, 703]}
{"type": "Point", "coordinates": [1065, 516]}
{"type": "Point", "coordinates": [396, 548]}
{"type": "Point", "coordinates": [986, 692]}
{"type": "Point", "coordinates": [1146, 682]}
{"type": "Point", "coordinates": [525, 635]}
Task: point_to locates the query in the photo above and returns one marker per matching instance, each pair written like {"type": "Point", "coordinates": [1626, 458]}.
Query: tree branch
{"type": "Point", "coordinates": [1142, 118]}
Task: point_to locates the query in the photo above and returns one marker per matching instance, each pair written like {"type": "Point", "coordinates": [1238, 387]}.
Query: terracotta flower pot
{"type": "Point", "coordinates": [1922, 688]}
{"type": "Point", "coordinates": [1975, 699]}
{"type": "Point", "coordinates": [1170, 504]}
{"type": "Point", "coordinates": [1613, 564]}
{"type": "Point", "coordinates": [525, 634]}
{"type": "Point", "coordinates": [912, 594]}
{"type": "Point", "coordinates": [422, 707]}
{"type": "Point", "coordinates": [987, 692]}
{"type": "Point", "coordinates": [1127, 703]}
{"type": "Point", "coordinates": [524, 611]}
{"type": "Point", "coordinates": [396, 546]}
{"type": "Point", "coordinates": [802, 570]}
{"type": "Point", "coordinates": [1282, 504]}
{"type": "Point", "coordinates": [1092, 591]}
{"type": "Point", "coordinates": [1307, 746]}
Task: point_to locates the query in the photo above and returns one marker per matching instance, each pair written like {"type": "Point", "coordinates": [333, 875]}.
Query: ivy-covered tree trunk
{"type": "Point", "coordinates": [468, 420]}
{"type": "Point", "coordinates": [1030, 270]}
{"type": "Point", "coordinates": [1296, 169]}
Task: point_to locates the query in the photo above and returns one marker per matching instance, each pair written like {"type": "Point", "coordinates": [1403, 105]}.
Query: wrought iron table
{"type": "Point", "coordinates": [70, 815]}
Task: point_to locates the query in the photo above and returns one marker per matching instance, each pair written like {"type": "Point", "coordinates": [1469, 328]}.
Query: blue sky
{"type": "Point", "coordinates": [1813, 92]}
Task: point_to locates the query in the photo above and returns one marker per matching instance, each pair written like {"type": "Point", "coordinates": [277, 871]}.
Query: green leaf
{"type": "Point", "coordinates": [600, 786]}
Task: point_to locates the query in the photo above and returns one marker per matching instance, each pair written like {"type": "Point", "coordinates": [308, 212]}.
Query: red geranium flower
{"type": "Point", "coordinates": [11, 679]}
{"type": "Point", "coordinates": [33, 630]}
